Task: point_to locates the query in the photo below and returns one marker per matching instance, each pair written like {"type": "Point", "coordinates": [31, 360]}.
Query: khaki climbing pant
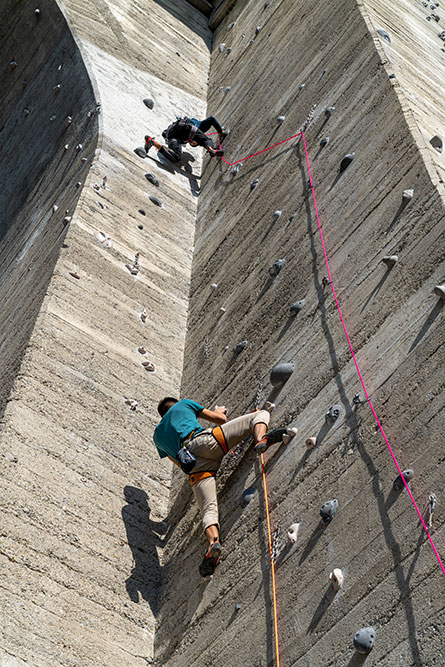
{"type": "Point", "coordinates": [209, 454]}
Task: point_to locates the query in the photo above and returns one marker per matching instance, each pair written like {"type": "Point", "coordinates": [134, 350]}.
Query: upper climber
{"type": "Point", "coordinates": [187, 130]}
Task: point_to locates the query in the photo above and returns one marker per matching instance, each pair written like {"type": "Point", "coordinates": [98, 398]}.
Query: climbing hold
{"type": "Point", "coordinates": [266, 5]}
{"type": "Point", "coordinates": [84, 159]}
{"type": "Point", "coordinates": [140, 152]}
{"type": "Point", "coordinates": [346, 161]}
{"type": "Point", "coordinates": [281, 119]}
{"type": "Point", "coordinates": [221, 47]}
{"type": "Point", "coordinates": [390, 260]}
{"type": "Point", "coordinates": [79, 147]}
{"type": "Point", "coordinates": [143, 316]}
{"type": "Point", "coordinates": [74, 274]}
{"type": "Point", "coordinates": [310, 443]}
{"type": "Point", "coordinates": [155, 200]}
{"type": "Point", "coordinates": [230, 26]}
{"type": "Point", "coordinates": [392, 76]}
{"type": "Point", "coordinates": [65, 148]}
{"type": "Point", "coordinates": [296, 307]}
{"type": "Point", "coordinates": [329, 111]}
{"type": "Point", "coordinates": [247, 496]}
{"type": "Point", "coordinates": [407, 195]}
{"type": "Point", "coordinates": [333, 413]}
{"type": "Point", "coordinates": [140, 226]}
{"type": "Point", "coordinates": [437, 143]}
{"type": "Point", "coordinates": [258, 29]}
{"type": "Point", "coordinates": [276, 214]}
{"type": "Point", "coordinates": [227, 88]}
{"type": "Point", "coordinates": [141, 211]}
{"type": "Point", "coordinates": [142, 350]}
{"type": "Point", "coordinates": [254, 184]}
{"type": "Point", "coordinates": [52, 118]}
{"type": "Point", "coordinates": [237, 607]}
{"type": "Point", "coordinates": [276, 267]}
{"type": "Point", "coordinates": [324, 142]}
{"type": "Point", "coordinates": [292, 532]}
{"type": "Point", "coordinates": [78, 184]}
{"type": "Point", "coordinates": [406, 475]}
{"type": "Point", "coordinates": [292, 217]}
{"type": "Point", "coordinates": [281, 373]}
{"type": "Point", "coordinates": [269, 406]}
{"type": "Point", "coordinates": [290, 433]}
{"type": "Point", "coordinates": [152, 178]}
{"type": "Point", "coordinates": [13, 64]}
{"type": "Point", "coordinates": [229, 50]}
{"type": "Point", "coordinates": [55, 207]}
{"type": "Point", "coordinates": [364, 640]}
{"type": "Point", "coordinates": [68, 120]}
{"type": "Point", "coordinates": [149, 366]}
{"type": "Point", "coordinates": [239, 347]}
{"type": "Point", "coordinates": [336, 579]}
{"type": "Point", "coordinates": [57, 88]}
{"type": "Point", "coordinates": [149, 102]}
{"type": "Point", "coordinates": [67, 219]}
{"type": "Point", "coordinates": [214, 286]}
{"type": "Point", "coordinates": [221, 312]}
{"type": "Point", "coordinates": [132, 403]}
{"type": "Point", "coordinates": [328, 510]}
{"type": "Point", "coordinates": [384, 34]}
{"type": "Point", "coordinates": [235, 169]}
{"type": "Point", "coordinates": [439, 290]}
{"type": "Point", "coordinates": [26, 112]}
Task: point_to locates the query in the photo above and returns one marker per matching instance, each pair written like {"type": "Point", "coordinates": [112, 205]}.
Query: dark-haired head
{"type": "Point", "coordinates": [166, 404]}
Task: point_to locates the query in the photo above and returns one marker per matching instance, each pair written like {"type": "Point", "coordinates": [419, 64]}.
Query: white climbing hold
{"type": "Point", "coordinates": [269, 406]}
{"type": "Point", "coordinates": [67, 219]}
{"type": "Point", "coordinates": [13, 64]}
{"type": "Point", "coordinates": [329, 111]}
{"type": "Point", "coordinates": [292, 532]}
{"type": "Point", "coordinates": [214, 286]}
{"type": "Point", "coordinates": [78, 146]}
{"type": "Point", "coordinates": [336, 579]}
{"type": "Point", "coordinates": [69, 120]}
{"type": "Point", "coordinates": [221, 312]}
{"type": "Point", "coordinates": [439, 290]}
{"type": "Point", "coordinates": [281, 119]}
{"type": "Point", "coordinates": [390, 260]}
{"type": "Point", "coordinates": [78, 184]}
{"type": "Point", "coordinates": [221, 47]}
{"type": "Point", "coordinates": [235, 169]}
{"type": "Point", "coordinates": [65, 148]}
{"type": "Point", "coordinates": [291, 433]}
{"type": "Point", "coordinates": [57, 88]}
{"type": "Point", "coordinates": [301, 86]}
{"type": "Point", "coordinates": [142, 350]}
{"type": "Point", "coordinates": [26, 112]}
{"type": "Point", "coordinates": [277, 214]}
{"type": "Point", "coordinates": [37, 12]}
{"type": "Point", "coordinates": [258, 29]}
{"type": "Point", "coordinates": [310, 443]}
{"type": "Point", "coordinates": [437, 143]}
{"type": "Point", "coordinates": [52, 118]}
{"type": "Point", "coordinates": [132, 403]}
{"type": "Point", "coordinates": [143, 315]}
{"type": "Point", "coordinates": [83, 159]}
{"type": "Point", "coordinates": [407, 195]}
{"type": "Point", "coordinates": [55, 207]}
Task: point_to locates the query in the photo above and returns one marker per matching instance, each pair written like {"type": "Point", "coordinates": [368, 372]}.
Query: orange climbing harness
{"type": "Point", "coordinates": [218, 434]}
{"type": "Point", "coordinates": [272, 564]}
{"type": "Point", "coordinates": [198, 476]}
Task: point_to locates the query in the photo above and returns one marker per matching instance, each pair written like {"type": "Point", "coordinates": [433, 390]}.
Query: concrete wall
{"type": "Point", "coordinates": [392, 579]}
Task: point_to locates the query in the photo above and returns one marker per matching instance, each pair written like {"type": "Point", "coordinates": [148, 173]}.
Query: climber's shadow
{"type": "Point", "coordinates": [316, 534]}
{"type": "Point", "coordinates": [143, 536]}
{"type": "Point", "coordinates": [323, 606]}
{"type": "Point", "coordinates": [187, 171]}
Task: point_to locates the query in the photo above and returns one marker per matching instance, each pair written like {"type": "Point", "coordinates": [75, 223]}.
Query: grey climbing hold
{"type": "Point", "coordinates": [277, 267]}
{"type": "Point", "coordinates": [237, 607]}
{"type": "Point", "coordinates": [301, 86]}
{"type": "Point", "coordinates": [235, 169]}
{"type": "Point", "coordinates": [364, 640]}
{"type": "Point", "coordinates": [52, 118]}
{"type": "Point", "coordinates": [333, 413]}
{"type": "Point", "coordinates": [266, 5]}
{"type": "Point", "coordinates": [69, 120]}
{"type": "Point", "coordinates": [296, 307]}
{"type": "Point", "coordinates": [292, 217]}
{"type": "Point", "coordinates": [149, 102]}
{"type": "Point", "coordinates": [324, 142]}
{"type": "Point", "coordinates": [258, 29]}
{"type": "Point", "coordinates": [346, 161]}
{"type": "Point", "coordinates": [26, 112]}
{"type": "Point", "coordinates": [439, 290]}
{"type": "Point", "coordinates": [247, 496]}
{"type": "Point", "coordinates": [281, 373]}
{"type": "Point", "coordinates": [141, 211]}
{"type": "Point", "coordinates": [406, 475]}
{"type": "Point", "coordinates": [227, 88]}
{"type": "Point", "coordinates": [57, 88]}
{"type": "Point", "coordinates": [254, 184]}
{"type": "Point", "coordinates": [140, 152]}
{"type": "Point", "coordinates": [277, 214]}
{"type": "Point", "coordinates": [155, 200]}
{"type": "Point", "coordinates": [392, 76]}
{"type": "Point", "coordinates": [79, 147]}
{"type": "Point", "coordinates": [230, 26]}
{"type": "Point", "coordinates": [13, 64]}
{"type": "Point", "coordinates": [239, 347]}
{"type": "Point", "coordinates": [437, 143]}
{"type": "Point", "coordinates": [140, 226]}
{"type": "Point", "coordinates": [384, 34]}
{"type": "Point", "coordinates": [407, 195]}
{"type": "Point", "coordinates": [328, 510]}
{"type": "Point", "coordinates": [390, 260]}
{"type": "Point", "coordinates": [281, 119]}
{"type": "Point", "coordinates": [152, 178]}
{"type": "Point", "coordinates": [221, 47]}
{"type": "Point", "coordinates": [329, 111]}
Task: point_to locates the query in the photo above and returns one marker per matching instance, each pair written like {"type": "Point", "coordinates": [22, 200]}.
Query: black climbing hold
{"type": "Point", "coordinates": [328, 510]}
{"type": "Point", "coordinates": [266, 5]}
{"type": "Point", "coordinates": [392, 76]}
{"type": "Point", "coordinates": [437, 143]}
{"type": "Point", "coordinates": [239, 347]}
{"type": "Point", "coordinates": [230, 26]}
{"type": "Point", "coordinates": [155, 200]}
{"type": "Point", "coordinates": [247, 496]}
{"type": "Point", "coordinates": [141, 211]}
{"type": "Point", "coordinates": [254, 184]}
{"type": "Point", "coordinates": [344, 164]}
{"type": "Point", "coordinates": [292, 217]}
{"type": "Point", "coordinates": [152, 178]}
{"type": "Point", "coordinates": [406, 475]}
{"type": "Point", "coordinates": [384, 34]}
{"type": "Point", "coordinates": [276, 267]}
{"type": "Point", "coordinates": [140, 226]}
{"type": "Point", "coordinates": [281, 373]}
{"type": "Point", "coordinates": [324, 141]}
{"type": "Point", "coordinates": [227, 88]}
{"type": "Point", "coordinates": [329, 111]}
{"type": "Point", "coordinates": [149, 102]}
{"type": "Point", "coordinates": [333, 413]}
{"type": "Point", "coordinates": [140, 152]}
{"type": "Point", "coordinates": [364, 640]}
{"type": "Point", "coordinates": [296, 307]}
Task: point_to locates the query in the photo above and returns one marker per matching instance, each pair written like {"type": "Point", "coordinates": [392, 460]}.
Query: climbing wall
{"type": "Point", "coordinates": [279, 68]}
{"type": "Point", "coordinates": [84, 498]}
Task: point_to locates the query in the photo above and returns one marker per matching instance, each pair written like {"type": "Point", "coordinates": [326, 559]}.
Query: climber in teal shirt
{"type": "Point", "coordinates": [176, 426]}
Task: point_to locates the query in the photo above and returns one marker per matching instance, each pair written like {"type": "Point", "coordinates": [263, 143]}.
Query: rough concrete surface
{"type": "Point", "coordinates": [100, 545]}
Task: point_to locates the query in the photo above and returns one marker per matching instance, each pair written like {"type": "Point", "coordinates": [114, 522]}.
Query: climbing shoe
{"type": "Point", "coordinates": [222, 136]}
{"type": "Point", "coordinates": [215, 153]}
{"type": "Point", "coordinates": [210, 560]}
{"type": "Point", "coordinates": [270, 439]}
{"type": "Point", "coordinates": [148, 143]}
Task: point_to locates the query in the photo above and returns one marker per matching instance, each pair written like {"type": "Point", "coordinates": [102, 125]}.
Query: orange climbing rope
{"type": "Point", "coordinates": [272, 564]}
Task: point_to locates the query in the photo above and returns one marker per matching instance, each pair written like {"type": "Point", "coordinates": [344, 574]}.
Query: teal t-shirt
{"type": "Point", "coordinates": [180, 420]}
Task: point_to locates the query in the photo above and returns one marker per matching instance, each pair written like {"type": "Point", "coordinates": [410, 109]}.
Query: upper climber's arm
{"type": "Point", "coordinates": [213, 416]}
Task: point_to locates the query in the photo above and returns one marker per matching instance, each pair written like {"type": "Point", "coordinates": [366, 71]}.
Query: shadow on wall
{"type": "Point", "coordinates": [48, 104]}
{"type": "Point", "coordinates": [190, 17]}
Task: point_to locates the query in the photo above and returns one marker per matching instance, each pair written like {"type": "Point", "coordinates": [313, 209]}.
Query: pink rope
{"type": "Point", "coordinates": [358, 369]}
{"type": "Point", "coordinates": [259, 152]}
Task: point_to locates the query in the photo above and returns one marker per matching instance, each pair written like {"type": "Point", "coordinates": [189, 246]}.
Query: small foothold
{"type": "Point", "coordinates": [254, 184]}
{"type": "Point", "coordinates": [329, 111]}
{"type": "Point", "coordinates": [155, 200]}
{"type": "Point", "coordinates": [390, 260]}
{"type": "Point", "coordinates": [140, 152]}
{"type": "Point", "coordinates": [324, 142]}
{"type": "Point", "coordinates": [290, 433]}
{"type": "Point", "coordinates": [277, 267]}
{"type": "Point", "coordinates": [149, 102]}
{"type": "Point", "coordinates": [296, 307]}
{"type": "Point", "coordinates": [292, 532]}
{"type": "Point", "coordinates": [406, 475]}
{"type": "Point", "coordinates": [57, 88]}
{"type": "Point", "coordinates": [439, 290]}
{"type": "Point", "coordinates": [221, 47]}
{"type": "Point", "coordinates": [67, 219]}
{"type": "Point", "coordinates": [269, 406]}
{"type": "Point", "coordinates": [239, 347]}
{"type": "Point", "coordinates": [336, 579]}
{"type": "Point", "coordinates": [230, 26]}
{"type": "Point", "coordinates": [333, 413]}
{"type": "Point", "coordinates": [384, 34]}
{"type": "Point", "coordinates": [237, 607]}
{"type": "Point", "coordinates": [310, 442]}
{"type": "Point", "coordinates": [13, 64]}
{"type": "Point", "coordinates": [37, 12]}
{"type": "Point", "coordinates": [221, 312]}
{"type": "Point", "coordinates": [281, 373]}
{"type": "Point", "coordinates": [143, 316]}
{"type": "Point", "coordinates": [227, 88]}
{"type": "Point", "coordinates": [407, 195]}
{"type": "Point", "coordinates": [392, 76]}
{"type": "Point", "coordinates": [364, 640]}
{"type": "Point", "coordinates": [266, 5]}
{"type": "Point", "coordinates": [346, 161]}
{"type": "Point", "coordinates": [276, 214]}
{"type": "Point", "coordinates": [149, 366]}
{"type": "Point", "coordinates": [292, 217]}
{"type": "Point", "coordinates": [235, 169]}
{"type": "Point", "coordinates": [52, 119]}
{"type": "Point", "coordinates": [132, 403]}
{"type": "Point", "coordinates": [65, 148]}
{"type": "Point", "coordinates": [258, 29]}
{"type": "Point", "coordinates": [214, 286]}
{"type": "Point", "coordinates": [26, 112]}
{"type": "Point", "coordinates": [328, 510]}
{"type": "Point", "coordinates": [437, 143]}
{"type": "Point", "coordinates": [229, 50]}
{"type": "Point", "coordinates": [74, 274]}
{"type": "Point", "coordinates": [141, 211]}
{"type": "Point", "coordinates": [78, 184]}
{"type": "Point", "coordinates": [84, 159]}
{"type": "Point", "coordinates": [152, 178]}
{"type": "Point", "coordinates": [79, 146]}
{"type": "Point", "coordinates": [247, 496]}
{"type": "Point", "coordinates": [140, 226]}
{"type": "Point", "coordinates": [142, 350]}
{"type": "Point", "coordinates": [281, 119]}
{"type": "Point", "coordinates": [55, 207]}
